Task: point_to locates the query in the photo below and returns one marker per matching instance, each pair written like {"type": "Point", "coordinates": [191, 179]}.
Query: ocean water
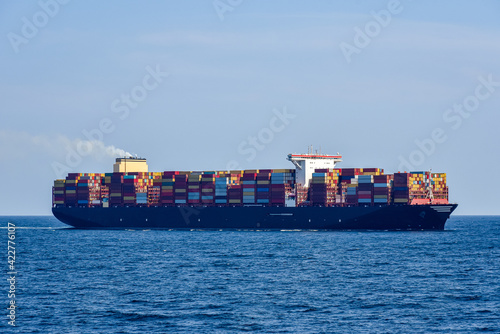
{"type": "Point", "coordinates": [77, 281]}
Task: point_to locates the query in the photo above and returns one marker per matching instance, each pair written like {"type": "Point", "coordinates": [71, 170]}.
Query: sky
{"type": "Point", "coordinates": [239, 84]}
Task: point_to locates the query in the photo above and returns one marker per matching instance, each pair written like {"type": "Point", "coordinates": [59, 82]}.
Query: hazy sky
{"type": "Point", "coordinates": [204, 85]}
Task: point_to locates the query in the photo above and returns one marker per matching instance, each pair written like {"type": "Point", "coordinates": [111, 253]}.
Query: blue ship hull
{"type": "Point", "coordinates": [385, 217]}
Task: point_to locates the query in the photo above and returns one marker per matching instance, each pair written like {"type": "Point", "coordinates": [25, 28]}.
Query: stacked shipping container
{"type": "Point", "coordinates": [328, 187]}
{"type": "Point", "coordinates": [382, 189]}
{"type": "Point", "coordinates": [180, 189]}
{"type": "Point", "coordinates": [58, 196]}
{"type": "Point", "coordinates": [208, 188]}
{"type": "Point", "coordinates": [370, 186]}
{"type": "Point", "coordinates": [324, 187]}
{"type": "Point", "coordinates": [166, 183]}
{"type": "Point", "coordinates": [263, 187]}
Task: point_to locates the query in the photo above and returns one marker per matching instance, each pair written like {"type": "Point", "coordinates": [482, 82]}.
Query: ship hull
{"type": "Point", "coordinates": [388, 217]}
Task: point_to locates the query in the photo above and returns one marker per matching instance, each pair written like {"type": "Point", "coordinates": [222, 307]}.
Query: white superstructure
{"type": "Point", "coordinates": [306, 164]}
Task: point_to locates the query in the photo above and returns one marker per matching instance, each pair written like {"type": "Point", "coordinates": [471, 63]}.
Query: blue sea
{"type": "Point", "coordinates": [78, 281]}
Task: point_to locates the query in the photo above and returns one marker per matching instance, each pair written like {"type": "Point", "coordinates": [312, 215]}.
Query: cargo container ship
{"type": "Point", "coordinates": [315, 195]}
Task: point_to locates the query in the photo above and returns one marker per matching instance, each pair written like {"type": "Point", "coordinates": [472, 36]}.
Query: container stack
{"type": "Point", "coordinates": [70, 189]}
{"type": "Point", "coordinates": [401, 190]}
{"type": "Point", "coordinates": [347, 174]}
{"type": "Point", "coordinates": [221, 184]}
{"type": "Point", "coordinates": [263, 180]}
{"type": "Point", "coordinates": [142, 198]}
{"type": "Point", "coordinates": [95, 188]}
{"type": "Point", "coordinates": [106, 189]}
{"type": "Point", "coordinates": [318, 189]}
{"type": "Point", "coordinates": [340, 189]}
{"type": "Point", "coordinates": [88, 190]}
{"type": "Point", "coordinates": [180, 189]}
{"type": "Point", "coordinates": [323, 187]}
{"type": "Point", "coordinates": [278, 189]}
{"type": "Point", "coordinates": [234, 177]}
{"type": "Point", "coordinates": [234, 194]}
{"type": "Point", "coordinates": [381, 189]}
{"type": "Point", "coordinates": [351, 193]}
{"type": "Point", "coordinates": [115, 189]}
{"type": "Point", "coordinates": [289, 176]}
{"type": "Point", "coordinates": [208, 188]}
{"type": "Point", "coordinates": [144, 181]}
{"type": "Point", "coordinates": [348, 185]}
{"type": "Point", "coordinates": [58, 196]}
{"type": "Point", "coordinates": [104, 193]}
{"type": "Point", "coordinates": [193, 188]}
{"type": "Point", "coordinates": [154, 195]}
{"type": "Point", "coordinates": [417, 188]}
{"type": "Point", "coordinates": [365, 189]}
{"type": "Point", "coordinates": [371, 171]}
{"type": "Point", "coordinates": [328, 187]}
{"type": "Point", "coordinates": [130, 182]}
{"type": "Point", "coordinates": [248, 185]}
{"type": "Point", "coordinates": [417, 185]}
{"type": "Point", "coordinates": [167, 183]}
{"type": "Point", "coordinates": [439, 187]}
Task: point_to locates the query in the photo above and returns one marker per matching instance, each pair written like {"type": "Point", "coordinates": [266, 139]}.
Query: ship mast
{"type": "Point", "coordinates": [429, 194]}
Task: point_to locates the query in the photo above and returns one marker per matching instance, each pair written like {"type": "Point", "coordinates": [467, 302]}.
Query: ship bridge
{"type": "Point", "coordinates": [305, 164]}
